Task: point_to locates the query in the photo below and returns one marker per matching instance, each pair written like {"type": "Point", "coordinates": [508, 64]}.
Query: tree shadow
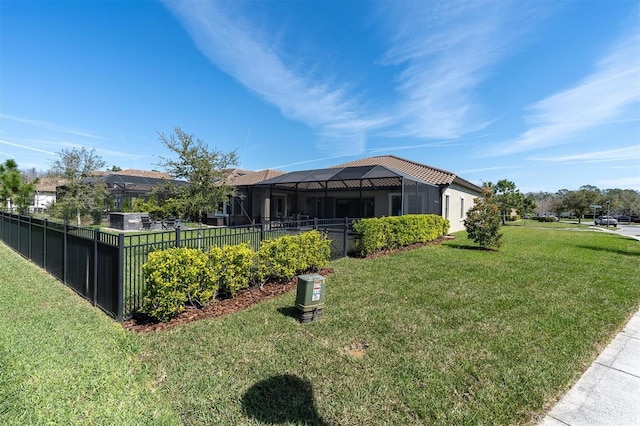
{"type": "Point", "coordinates": [282, 399]}
{"type": "Point", "coordinates": [467, 247]}
{"type": "Point", "coordinates": [609, 250]}
{"type": "Point", "coordinates": [289, 311]}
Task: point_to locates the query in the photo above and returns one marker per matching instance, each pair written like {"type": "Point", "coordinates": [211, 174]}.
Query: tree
{"type": "Point", "coordinates": [15, 190]}
{"type": "Point", "coordinates": [79, 196]}
{"type": "Point", "coordinates": [203, 170]}
{"type": "Point", "coordinates": [483, 220]}
{"type": "Point", "coordinates": [629, 201]}
{"type": "Point", "coordinates": [527, 207]}
{"type": "Point", "coordinates": [507, 196]}
{"type": "Point", "coordinates": [543, 201]}
{"type": "Point", "coordinates": [558, 203]}
{"type": "Point", "coordinates": [577, 203]}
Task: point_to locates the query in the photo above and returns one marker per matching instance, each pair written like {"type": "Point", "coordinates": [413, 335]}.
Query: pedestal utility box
{"type": "Point", "coordinates": [310, 297]}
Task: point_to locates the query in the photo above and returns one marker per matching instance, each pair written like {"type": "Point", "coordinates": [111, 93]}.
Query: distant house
{"type": "Point", "coordinates": [44, 194]}
{"type": "Point", "coordinates": [126, 184]}
{"type": "Point", "coordinates": [369, 187]}
{"type": "Point", "coordinates": [132, 184]}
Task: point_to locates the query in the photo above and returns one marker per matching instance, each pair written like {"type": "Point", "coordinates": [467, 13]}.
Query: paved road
{"type": "Point", "coordinates": [628, 230]}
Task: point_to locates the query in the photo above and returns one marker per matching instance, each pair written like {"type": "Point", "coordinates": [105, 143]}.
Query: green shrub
{"type": "Point", "coordinates": [377, 234]}
{"type": "Point", "coordinates": [150, 206]}
{"type": "Point", "coordinates": [178, 277]}
{"type": "Point", "coordinates": [315, 251]}
{"type": "Point", "coordinates": [281, 259]}
{"type": "Point", "coordinates": [546, 219]}
{"type": "Point", "coordinates": [372, 235]}
{"type": "Point", "coordinates": [235, 265]}
{"type": "Point", "coordinates": [483, 220]}
{"type": "Point", "coordinates": [175, 278]}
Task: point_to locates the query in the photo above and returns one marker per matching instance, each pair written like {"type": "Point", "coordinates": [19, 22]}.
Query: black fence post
{"type": "Point", "coordinates": [19, 239]}
{"type": "Point", "coordinates": [120, 277]}
{"type": "Point", "coordinates": [44, 244]}
{"type": "Point", "coordinates": [96, 238]}
{"type": "Point", "coordinates": [345, 243]}
{"type": "Point", "coordinates": [64, 253]}
{"type": "Point", "coordinates": [315, 223]}
{"type": "Point", "coordinates": [177, 236]}
{"type": "Point", "coordinates": [30, 235]}
{"type": "Point", "coordinates": [261, 231]}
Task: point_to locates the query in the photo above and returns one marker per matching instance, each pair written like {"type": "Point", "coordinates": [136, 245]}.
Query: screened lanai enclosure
{"type": "Point", "coordinates": [354, 192]}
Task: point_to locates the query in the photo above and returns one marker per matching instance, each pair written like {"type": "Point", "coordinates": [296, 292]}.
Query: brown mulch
{"type": "Point", "coordinates": [243, 299]}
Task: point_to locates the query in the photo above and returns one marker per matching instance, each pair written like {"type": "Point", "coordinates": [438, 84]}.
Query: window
{"type": "Point", "coordinates": [446, 206]}
{"type": "Point", "coordinates": [395, 204]}
{"type": "Point", "coordinates": [354, 207]}
{"type": "Point", "coordinates": [461, 208]}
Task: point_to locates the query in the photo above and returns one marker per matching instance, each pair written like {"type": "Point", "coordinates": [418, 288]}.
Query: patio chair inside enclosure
{"type": "Point", "coordinates": [146, 223]}
{"type": "Point", "coordinates": [172, 223]}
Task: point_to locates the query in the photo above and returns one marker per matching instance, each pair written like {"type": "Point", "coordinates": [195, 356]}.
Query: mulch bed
{"type": "Point", "coordinates": [243, 299]}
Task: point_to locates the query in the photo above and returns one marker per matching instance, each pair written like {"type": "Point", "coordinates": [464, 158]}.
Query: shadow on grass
{"type": "Point", "coordinates": [289, 311]}
{"type": "Point", "coordinates": [610, 250]}
{"type": "Point", "coordinates": [466, 247]}
{"type": "Point", "coordinates": [282, 399]}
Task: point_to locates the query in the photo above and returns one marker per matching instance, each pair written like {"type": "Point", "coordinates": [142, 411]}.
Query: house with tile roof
{"type": "Point", "coordinates": [370, 187]}
{"type": "Point", "coordinates": [44, 194]}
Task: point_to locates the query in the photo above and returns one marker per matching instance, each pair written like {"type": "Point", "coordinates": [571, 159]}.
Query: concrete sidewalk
{"type": "Point", "coordinates": [608, 393]}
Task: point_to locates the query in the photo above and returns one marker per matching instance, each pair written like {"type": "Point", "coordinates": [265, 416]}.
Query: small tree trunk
{"type": "Point", "coordinates": [78, 218]}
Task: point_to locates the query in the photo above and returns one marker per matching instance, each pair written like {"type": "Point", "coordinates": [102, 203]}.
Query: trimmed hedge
{"type": "Point", "coordinates": [178, 277]}
{"type": "Point", "coordinates": [285, 257]}
{"type": "Point", "coordinates": [376, 234]}
{"type": "Point", "coordinates": [235, 266]}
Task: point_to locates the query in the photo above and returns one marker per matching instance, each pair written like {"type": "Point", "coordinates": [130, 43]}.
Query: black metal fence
{"type": "Point", "coordinates": [105, 268]}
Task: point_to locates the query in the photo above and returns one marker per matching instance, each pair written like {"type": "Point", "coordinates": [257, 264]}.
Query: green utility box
{"type": "Point", "coordinates": [310, 297]}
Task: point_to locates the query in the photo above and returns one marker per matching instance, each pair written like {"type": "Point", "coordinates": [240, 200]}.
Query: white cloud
{"type": "Point", "coordinates": [619, 154]}
{"type": "Point", "coordinates": [27, 147]}
{"type": "Point", "coordinates": [447, 49]}
{"type": "Point", "coordinates": [238, 48]}
{"type": "Point", "coordinates": [604, 96]}
{"type": "Point", "coordinates": [50, 126]}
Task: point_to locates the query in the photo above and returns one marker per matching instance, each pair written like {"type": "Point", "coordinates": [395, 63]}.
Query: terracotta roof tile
{"type": "Point", "coordinates": [252, 178]}
{"type": "Point", "coordinates": [420, 171]}
{"type": "Point", "coordinates": [48, 184]}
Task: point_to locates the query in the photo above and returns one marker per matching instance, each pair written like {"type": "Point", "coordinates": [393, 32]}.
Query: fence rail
{"type": "Point", "coordinates": [105, 268]}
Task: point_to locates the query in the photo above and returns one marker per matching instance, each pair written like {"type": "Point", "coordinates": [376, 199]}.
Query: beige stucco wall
{"type": "Point", "coordinates": [460, 201]}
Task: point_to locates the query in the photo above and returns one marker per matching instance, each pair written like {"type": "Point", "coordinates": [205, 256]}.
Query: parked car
{"type": "Point", "coordinates": [606, 220]}
{"type": "Point", "coordinates": [624, 218]}
{"type": "Point", "coordinates": [635, 218]}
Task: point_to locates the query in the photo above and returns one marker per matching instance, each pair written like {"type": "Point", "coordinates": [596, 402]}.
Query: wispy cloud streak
{"type": "Point", "coordinates": [604, 96]}
{"type": "Point", "coordinates": [27, 147]}
{"type": "Point", "coordinates": [621, 154]}
{"type": "Point", "coordinates": [446, 50]}
{"type": "Point", "coordinates": [50, 126]}
{"type": "Point", "coordinates": [236, 47]}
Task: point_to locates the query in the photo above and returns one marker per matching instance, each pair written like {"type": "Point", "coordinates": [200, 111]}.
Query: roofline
{"type": "Point", "coordinates": [398, 173]}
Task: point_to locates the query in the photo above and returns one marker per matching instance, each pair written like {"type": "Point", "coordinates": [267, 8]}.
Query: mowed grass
{"type": "Point", "coordinates": [439, 335]}
{"type": "Point", "coordinates": [63, 361]}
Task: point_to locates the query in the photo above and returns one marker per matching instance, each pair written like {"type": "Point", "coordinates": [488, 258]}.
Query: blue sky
{"type": "Point", "coordinates": [544, 93]}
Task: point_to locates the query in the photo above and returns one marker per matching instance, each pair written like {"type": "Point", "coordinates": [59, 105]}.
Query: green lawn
{"type": "Point", "coordinates": [442, 334]}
